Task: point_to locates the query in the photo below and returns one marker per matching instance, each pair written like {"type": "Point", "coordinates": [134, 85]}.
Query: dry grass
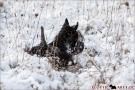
{"type": "Point", "coordinates": [1, 4]}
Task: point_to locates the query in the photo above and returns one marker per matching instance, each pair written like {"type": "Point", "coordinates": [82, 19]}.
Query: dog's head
{"type": "Point", "coordinates": [69, 29]}
{"type": "Point", "coordinates": [76, 44]}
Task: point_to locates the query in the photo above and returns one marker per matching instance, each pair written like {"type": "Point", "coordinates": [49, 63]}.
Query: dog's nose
{"type": "Point", "coordinates": [78, 47]}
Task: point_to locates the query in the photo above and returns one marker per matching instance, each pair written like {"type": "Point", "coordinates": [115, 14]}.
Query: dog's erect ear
{"type": "Point", "coordinates": [66, 22]}
{"type": "Point", "coordinates": [75, 26]}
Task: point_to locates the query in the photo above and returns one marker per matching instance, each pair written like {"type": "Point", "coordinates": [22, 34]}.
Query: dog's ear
{"type": "Point", "coordinates": [75, 26]}
{"type": "Point", "coordinates": [66, 22]}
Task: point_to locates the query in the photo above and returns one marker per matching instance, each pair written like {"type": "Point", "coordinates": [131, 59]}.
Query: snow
{"type": "Point", "coordinates": [108, 30]}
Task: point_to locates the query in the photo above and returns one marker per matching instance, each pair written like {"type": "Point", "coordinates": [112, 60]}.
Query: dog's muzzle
{"type": "Point", "coordinates": [78, 47]}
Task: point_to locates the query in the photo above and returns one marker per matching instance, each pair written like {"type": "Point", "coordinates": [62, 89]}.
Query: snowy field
{"type": "Point", "coordinates": [108, 30]}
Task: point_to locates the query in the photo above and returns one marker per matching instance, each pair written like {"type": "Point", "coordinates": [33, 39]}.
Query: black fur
{"type": "Point", "coordinates": [68, 35]}
{"type": "Point", "coordinates": [64, 35]}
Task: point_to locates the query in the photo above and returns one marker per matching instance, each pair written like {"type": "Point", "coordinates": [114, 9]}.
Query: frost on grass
{"type": "Point", "coordinates": [108, 57]}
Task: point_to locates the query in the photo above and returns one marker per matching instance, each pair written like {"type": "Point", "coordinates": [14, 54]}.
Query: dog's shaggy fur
{"type": "Point", "coordinates": [68, 36]}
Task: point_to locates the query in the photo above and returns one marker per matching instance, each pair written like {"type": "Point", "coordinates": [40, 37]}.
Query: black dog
{"type": "Point", "coordinates": [68, 36]}
{"type": "Point", "coordinates": [112, 87]}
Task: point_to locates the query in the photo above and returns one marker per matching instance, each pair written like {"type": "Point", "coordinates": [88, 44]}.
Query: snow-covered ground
{"type": "Point", "coordinates": [108, 30]}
